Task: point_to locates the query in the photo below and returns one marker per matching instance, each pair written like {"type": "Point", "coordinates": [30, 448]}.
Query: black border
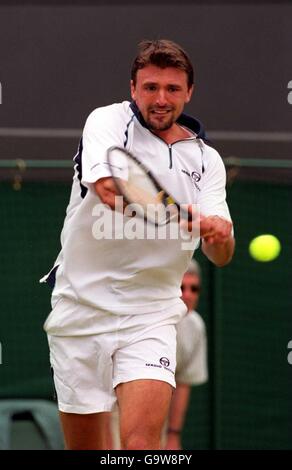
{"type": "Point", "coordinates": [138, 2]}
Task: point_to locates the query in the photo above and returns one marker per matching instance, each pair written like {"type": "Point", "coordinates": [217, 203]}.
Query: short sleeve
{"type": "Point", "coordinates": [212, 198]}
{"type": "Point", "coordinates": [104, 128]}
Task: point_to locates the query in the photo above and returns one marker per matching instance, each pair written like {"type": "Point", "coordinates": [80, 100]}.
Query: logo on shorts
{"type": "Point", "coordinates": [164, 361]}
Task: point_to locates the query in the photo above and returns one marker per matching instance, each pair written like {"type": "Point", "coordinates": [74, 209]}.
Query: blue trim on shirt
{"type": "Point", "coordinates": [78, 160]}
{"type": "Point", "coordinates": [127, 130]}
{"type": "Point", "coordinates": [184, 119]}
{"type": "Point", "coordinates": [51, 279]}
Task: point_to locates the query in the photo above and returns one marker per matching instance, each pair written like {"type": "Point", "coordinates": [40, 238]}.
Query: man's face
{"type": "Point", "coordinates": [190, 290]}
{"type": "Point", "coordinates": [161, 95]}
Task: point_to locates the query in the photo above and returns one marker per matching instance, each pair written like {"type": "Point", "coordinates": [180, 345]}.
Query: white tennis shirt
{"type": "Point", "coordinates": [133, 276]}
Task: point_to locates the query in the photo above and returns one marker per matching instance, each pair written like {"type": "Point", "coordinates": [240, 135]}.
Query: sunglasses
{"type": "Point", "coordinates": [193, 287]}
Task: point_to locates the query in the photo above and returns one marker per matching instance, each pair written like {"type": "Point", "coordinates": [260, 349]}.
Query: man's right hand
{"type": "Point", "coordinates": [106, 190]}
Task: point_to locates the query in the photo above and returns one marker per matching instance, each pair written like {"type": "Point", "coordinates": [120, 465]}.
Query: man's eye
{"type": "Point", "coordinates": [172, 89]}
{"type": "Point", "coordinates": [151, 87]}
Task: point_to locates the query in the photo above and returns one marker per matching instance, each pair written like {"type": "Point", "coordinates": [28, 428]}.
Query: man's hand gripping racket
{"type": "Point", "coordinates": [143, 195]}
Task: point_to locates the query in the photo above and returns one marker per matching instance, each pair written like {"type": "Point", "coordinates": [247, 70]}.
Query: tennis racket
{"type": "Point", "coordinates": [139, 187]}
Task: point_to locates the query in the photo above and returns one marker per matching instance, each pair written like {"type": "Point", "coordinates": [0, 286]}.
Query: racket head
{"type": "Point", "coordinates": [140, 189]}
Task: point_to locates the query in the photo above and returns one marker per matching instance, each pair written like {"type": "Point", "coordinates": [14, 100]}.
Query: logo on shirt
{"type": "Point", "coordinates": [195, 176]}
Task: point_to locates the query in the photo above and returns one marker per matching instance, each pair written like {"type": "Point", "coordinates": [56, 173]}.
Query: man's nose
{"type": "Point", "coordinates": [161, 98]}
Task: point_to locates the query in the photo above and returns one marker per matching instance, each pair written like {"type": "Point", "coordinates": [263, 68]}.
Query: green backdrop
{"type": "Point", "coordinates": [246, 306]}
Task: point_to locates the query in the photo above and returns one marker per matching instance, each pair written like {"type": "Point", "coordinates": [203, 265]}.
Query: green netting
{"type": "Point", "coordinates": [31, 222]}
{"type": "Point", "coordinates": [255, 325]}
{"type": "Point", "coordinates": [246, 306]}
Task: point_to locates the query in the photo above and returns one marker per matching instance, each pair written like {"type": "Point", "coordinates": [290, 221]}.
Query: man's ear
{"type": "Point", "coordinates": [133, 92]}
{"type": "Point", "coordinates": [190, 93]}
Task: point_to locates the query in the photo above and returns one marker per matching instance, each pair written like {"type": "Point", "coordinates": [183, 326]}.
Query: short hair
{"type": "Point", "coordinates": [162, 53]}
{"type": "Point", "coordinates": [194, 268]}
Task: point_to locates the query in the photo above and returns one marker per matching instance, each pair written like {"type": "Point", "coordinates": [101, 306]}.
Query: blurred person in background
{"type": "Point", "coordinates": [192, 368]}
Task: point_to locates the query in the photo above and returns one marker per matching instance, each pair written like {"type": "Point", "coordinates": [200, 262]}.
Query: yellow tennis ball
{"type": "Point", "coordinates": [265, 248]}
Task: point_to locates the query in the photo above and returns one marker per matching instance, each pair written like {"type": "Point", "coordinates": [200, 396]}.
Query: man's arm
{"type": "Point", "coordinates": [218, 243]}
{"type": "Point", "coordinates": [219, 254]}
{"type": "Point", "coordinates": [105, 188]}
{"type": "Point", "coordinates": [217, 239]}
{"type": "Point", "coordinates": [176, 417]}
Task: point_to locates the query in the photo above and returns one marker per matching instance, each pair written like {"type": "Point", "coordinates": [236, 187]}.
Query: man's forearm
{"type": "Point", "coordinates": [219, 253]}
{"type": "Point", "coordinates": [176, 417]}
{"type": "Point", "coordinates": [178, 407]}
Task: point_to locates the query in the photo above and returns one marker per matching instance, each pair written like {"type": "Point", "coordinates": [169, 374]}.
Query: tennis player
{"type": "Point", "coordinates": [116, 301]}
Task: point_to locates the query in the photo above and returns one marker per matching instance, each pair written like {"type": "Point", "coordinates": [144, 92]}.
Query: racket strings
{"type": "Point", "coordinates": [140, 189]}
{"type": "Point", "coordinates": [137, 194]}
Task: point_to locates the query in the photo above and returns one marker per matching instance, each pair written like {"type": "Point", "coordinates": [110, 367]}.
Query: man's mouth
{"type": "Point", "coordinates": [161, 112]}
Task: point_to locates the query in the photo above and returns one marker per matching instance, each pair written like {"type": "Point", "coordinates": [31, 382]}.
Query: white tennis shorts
{"type": "Point", "coordinates": [88, 368]}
